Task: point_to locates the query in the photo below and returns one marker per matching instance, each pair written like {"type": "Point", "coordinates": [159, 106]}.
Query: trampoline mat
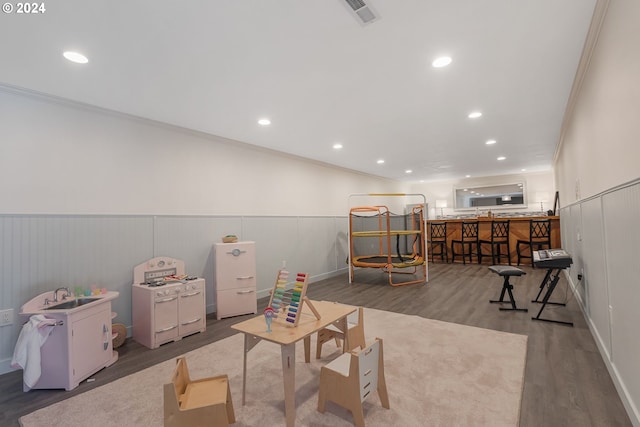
{"type": "Point", "coordinates": [383, 261]}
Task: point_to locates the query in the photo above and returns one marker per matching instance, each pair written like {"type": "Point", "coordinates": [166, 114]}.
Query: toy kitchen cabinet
{"type": "Point", "coordinates": [235, 279]}
{"type": "Point", "coordinates": [167, 305]}
{"type": "Point", "coordinates": [80, 342]}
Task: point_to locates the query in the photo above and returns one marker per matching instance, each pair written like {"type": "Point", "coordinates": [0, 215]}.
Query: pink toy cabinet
{"type": "Point", "coordinates": [235, 279]}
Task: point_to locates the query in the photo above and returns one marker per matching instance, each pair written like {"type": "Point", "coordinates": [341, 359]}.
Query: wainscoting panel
{"type": "Point", "coordinates": [342, 243]}
{"type": "Point", "coordinates": [603, 236]}
{"type": "Point", "coordinates": [40, 253]}
{"type": "Point", "coordinates": [622, 245]}
{"type": "Point", "coordinates": [277, 240]}
{"type": "Point", "coordinates": [572, 232]}
{"type": "Point", "coordinates": [307, 244]}
{"type": "Point", "coordinates": [191, 239]}
{"type": "Point", "coordinates": [594, 271]}
{"type": "Point", "coordinates": [319, 250]}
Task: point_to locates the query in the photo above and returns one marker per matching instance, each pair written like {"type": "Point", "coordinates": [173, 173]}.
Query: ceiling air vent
{"type": "Point", "coordinates": [364, 13]}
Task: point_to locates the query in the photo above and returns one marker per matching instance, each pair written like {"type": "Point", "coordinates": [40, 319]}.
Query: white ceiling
{"type": "Point", "coordinates": [217, 66]}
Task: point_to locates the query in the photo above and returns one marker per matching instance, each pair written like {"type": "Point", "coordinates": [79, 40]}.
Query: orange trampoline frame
{"type": "Point", "coordinates": [384, 232]}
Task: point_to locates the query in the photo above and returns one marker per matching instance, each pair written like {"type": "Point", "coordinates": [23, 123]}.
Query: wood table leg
{"type": "Point", "coordinates": [307, 349]}
{"type": "Point", "coordinates": [289, 375]}
{"type": "Point", "coordinates": [244, 369]}
{"type": "Point", "coordinates": [250, 341]}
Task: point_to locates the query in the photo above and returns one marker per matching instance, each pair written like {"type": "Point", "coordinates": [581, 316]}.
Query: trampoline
{"type": "Point", "coordinates": [391, 242]}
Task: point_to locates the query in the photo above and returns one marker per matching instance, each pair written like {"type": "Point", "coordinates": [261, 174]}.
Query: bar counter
{"type": "Point", "coordinates": [518, 230]}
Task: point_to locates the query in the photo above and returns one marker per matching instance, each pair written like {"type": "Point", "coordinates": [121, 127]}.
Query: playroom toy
{"type": "Point", "coordinates": [287, 302]}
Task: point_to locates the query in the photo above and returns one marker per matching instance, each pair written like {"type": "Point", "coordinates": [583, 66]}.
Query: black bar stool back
{"type": "Point", "coordinates": [499, 239]}
{"type": "Point", "coordinates": [438, 240]}
{"type": "Point", "coordinates": [468, 244]}
{"type": "Point", "coordinates": [539, 238]}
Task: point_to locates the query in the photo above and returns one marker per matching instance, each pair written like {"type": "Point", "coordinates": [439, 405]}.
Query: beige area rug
{"type": "Point", "coordinates": [438, 374]}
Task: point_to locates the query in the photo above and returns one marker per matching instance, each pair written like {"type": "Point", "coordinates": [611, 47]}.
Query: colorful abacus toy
{"type": "Point", "coordinates": [277, 294]}
{"type": "Point", "coordinates": [287, 302]}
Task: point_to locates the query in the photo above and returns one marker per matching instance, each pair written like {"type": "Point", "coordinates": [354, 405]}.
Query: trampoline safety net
{"type": "Point", "coordinates": [379, 236]}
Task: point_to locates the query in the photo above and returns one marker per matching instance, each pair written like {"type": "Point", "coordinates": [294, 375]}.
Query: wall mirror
{"type": "Point", "coordinates": [499, 196]}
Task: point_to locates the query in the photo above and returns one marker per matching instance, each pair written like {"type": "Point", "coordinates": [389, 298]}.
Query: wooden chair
{"type": "Point", "coordinates": [539, 238]}
{"type": "Point", "coordinates": [438, 239]}
{"type": "Point", "coordinates": [204, 402]}
{"type": "Point", "coordinates": [469, 243]}
{"type": "Point", "coordinates": [354, 339]}
{"type": "Point", "coordinates": [351, 378]}
{"type": "Point", "coordinates": [499, 238]}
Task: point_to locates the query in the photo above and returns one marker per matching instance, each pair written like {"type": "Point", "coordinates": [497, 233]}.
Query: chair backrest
{"type": "Point", "coordinates": [356, 332]}
{"type": "Point", "coordinates": [366, 364]}
{"type": "Point", "coordinates": [499, 230]}
{"type": "Point", "coordinates": [180, 378]}
{"type": "Point", "coordinates": [438, 230]}
{"type": "Point", "coordinates": [540, 230]}
{"type": "Point", "coordinates": [469, 230]}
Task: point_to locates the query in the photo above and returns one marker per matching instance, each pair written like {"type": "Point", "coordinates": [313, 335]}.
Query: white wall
{"type": "Point", "coordinates": [600, 149]}
{"type": "Point", "coordinates": [597, 172]}
{"type": "Point", "coordinates": [59, 158]}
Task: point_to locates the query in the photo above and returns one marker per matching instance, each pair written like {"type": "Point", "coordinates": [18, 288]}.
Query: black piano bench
{"type": "Point", "coordinates": [507, 271]}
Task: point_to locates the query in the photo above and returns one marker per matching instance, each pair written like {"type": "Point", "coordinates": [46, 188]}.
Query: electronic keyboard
{"type": "Point", "coordinates": [552, 258]}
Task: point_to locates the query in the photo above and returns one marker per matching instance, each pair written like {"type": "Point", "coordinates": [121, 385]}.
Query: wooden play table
{"type": "Point", "coordinates": [287, 336]}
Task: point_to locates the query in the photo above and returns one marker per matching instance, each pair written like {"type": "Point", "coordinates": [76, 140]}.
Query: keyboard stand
{"type": "Point", "coordinates": [552, 282]}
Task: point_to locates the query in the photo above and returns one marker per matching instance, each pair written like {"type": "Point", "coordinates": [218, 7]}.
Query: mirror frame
{"type": "Point", "coordinates": [491, 191]}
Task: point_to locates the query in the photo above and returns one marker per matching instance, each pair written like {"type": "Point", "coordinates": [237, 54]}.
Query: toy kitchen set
{"type": "Point", "coordinates": [167, 305]}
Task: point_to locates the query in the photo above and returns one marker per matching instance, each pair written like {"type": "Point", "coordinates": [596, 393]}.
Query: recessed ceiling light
{"type": "Point", "coordinates": [467, 176]}
{"type": "Point", "coordinates": [75, 57]}
{"type": "Point", "coordinates": [523, 170]}
{"type": "Point", "coordinates": [501, 158]}
{"type": "Point", "coordinates": [380, 161]}
{"type": "Point", "coordinates": [442, 61]}
{"type": "Point", "coordinates": [408, 171]}
{"type": "Point", "coordinates": [337, 146]}
{"type": "Point", "coordinates": [264, 122]}
{"type": "Point", "coordinates": [490, 142]}
{"type": "Point", "coordinates": [474, 114]}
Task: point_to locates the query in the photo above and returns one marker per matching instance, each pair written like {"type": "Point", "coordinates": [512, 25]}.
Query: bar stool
{"type": "Point", "coordinates": [506, 272]}
{"type": "Point", "coordinates": [438, 239]}
{"type": "Point", "coordinates": [499, 238]}
{"type": "Point", "coordinates": [539, 237]}
{"type": "Point", "coordinates": [467, 243]}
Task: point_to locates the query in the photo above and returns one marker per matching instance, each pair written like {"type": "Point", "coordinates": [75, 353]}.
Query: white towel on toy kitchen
{"type": "Point", "coordinates": [26, 354]}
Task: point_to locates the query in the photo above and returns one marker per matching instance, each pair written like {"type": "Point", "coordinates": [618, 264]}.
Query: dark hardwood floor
{"type": "Point", "coordinates": [566, 381]}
